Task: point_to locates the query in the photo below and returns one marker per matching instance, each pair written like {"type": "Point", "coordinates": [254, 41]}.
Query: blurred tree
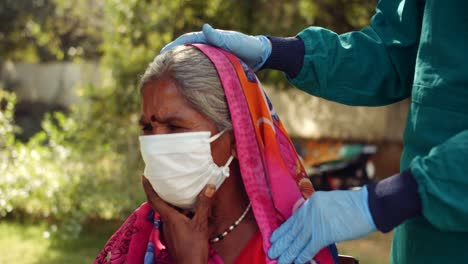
{"type": "Point", "coordinates": [137, 30]}
{"type": "Point", "coordinates": [50, 30]}
{"type": "Point", "coordinates": [47, 30]}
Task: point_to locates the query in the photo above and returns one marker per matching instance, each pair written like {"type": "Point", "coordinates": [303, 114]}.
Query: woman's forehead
{"type": "Point", "coordinates": [162, 100]}
{"type": "Point", "coordinates": [160, 88]}
{"type": "Point", "coordinates": [161, 96]}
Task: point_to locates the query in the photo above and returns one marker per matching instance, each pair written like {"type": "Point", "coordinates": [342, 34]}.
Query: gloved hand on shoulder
{"type": "Point", "coordinates": [325, 218]}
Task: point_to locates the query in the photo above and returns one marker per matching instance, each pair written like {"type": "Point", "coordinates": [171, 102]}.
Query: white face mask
{"type": "Point", "coordinates": [180, 165]}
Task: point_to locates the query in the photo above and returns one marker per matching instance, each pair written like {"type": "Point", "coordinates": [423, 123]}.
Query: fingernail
{"type": "Point", "coordinates": [210, 190]}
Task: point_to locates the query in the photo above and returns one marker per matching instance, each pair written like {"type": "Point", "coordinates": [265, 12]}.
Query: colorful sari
{"type": "Point", "coordinates": [273, 175]}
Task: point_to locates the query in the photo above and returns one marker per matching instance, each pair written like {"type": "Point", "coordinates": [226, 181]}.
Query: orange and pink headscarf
{"type": "Point", "coordinates": [272, 172]}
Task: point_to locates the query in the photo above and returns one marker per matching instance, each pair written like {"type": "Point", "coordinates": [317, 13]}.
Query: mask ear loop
{"type": "Point", "coordinates": [225, 169]}
{"type": "Point", "coordinates": [215, 137]}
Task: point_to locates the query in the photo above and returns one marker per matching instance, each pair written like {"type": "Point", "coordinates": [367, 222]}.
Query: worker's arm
{"type": "Point", "coordinates": [442, 178]}
{"type": "Point", "coordinates": [374, 66]}
{"type": "Point", "coordinates": [434, 187]}
{"type": "Point", "coordinates": [335, 216]}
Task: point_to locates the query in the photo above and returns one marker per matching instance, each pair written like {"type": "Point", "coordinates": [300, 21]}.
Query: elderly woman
{"type": "Point", "coordinates": [221, 172]}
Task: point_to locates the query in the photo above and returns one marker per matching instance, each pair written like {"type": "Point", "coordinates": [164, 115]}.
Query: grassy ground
{"type": "Point", "coordinates": [26, 244]}
{"type": "Point", "coordinates": [374, 249]}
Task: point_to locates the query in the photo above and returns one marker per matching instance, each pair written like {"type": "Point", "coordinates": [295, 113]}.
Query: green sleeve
{"type": "Point", "coordinates": [442, 178]}
{"type": "Point", "coordinates": [371, 67]}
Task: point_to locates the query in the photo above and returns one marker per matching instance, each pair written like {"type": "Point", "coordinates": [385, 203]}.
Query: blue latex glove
{"type": "Point", "coordinates": [253, 50]}
{"type": "Point", "coordinates": [325, 218]}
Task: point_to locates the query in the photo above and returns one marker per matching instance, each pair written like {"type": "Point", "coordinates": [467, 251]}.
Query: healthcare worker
{"type": "Point", "coordinates": [416, 49]}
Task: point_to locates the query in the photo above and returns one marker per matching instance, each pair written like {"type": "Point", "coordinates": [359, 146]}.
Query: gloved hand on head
{"type": "Point", "coordinates": [325, 218]}
{"type": "Point", "coordinates": [253, 50]}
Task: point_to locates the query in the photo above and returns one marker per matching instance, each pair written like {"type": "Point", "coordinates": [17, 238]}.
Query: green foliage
{"type": "Point", "coordinates": [67, 173]}
{"type": "Point", "coordinates": [137, 30]}
{"type": "Point", "coordinates": [49, 30]}
{"type": "Point", "coordinates": [7, 127]}
{"type": "Point", "coordinates": [32, 243]}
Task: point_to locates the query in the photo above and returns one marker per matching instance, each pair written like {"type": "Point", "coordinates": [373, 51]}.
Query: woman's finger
{"type": "Point", "coordinates": [204, 204]}
{"type": "Point", "coordinates": [158, 204]}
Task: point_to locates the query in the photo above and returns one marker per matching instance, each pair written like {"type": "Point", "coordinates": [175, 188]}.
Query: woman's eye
{"type": "Point", "coordinates": [174, 128]}
{"type": "Point", "coordinates": [147, 127]}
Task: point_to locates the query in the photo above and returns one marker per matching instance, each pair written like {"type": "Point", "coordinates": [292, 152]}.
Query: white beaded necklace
{"type": "Point", "coordinates": [231, 227]}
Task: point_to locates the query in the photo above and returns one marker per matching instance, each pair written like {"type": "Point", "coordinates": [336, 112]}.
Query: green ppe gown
{"type": "Point", "coordinates": [416, 49]}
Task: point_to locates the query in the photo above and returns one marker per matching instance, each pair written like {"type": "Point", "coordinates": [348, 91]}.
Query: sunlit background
{"type": "Point", "coordinates": [69, 156]}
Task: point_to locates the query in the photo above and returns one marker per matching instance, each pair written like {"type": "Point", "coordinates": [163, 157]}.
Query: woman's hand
{"type": "Point", "coordinates": [185, 238]}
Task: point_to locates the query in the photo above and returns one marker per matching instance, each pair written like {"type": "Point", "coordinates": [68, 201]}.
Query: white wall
{"type": "Point", "coordinates": [312, 117]}
{"type": "Point", "coordinates": [51, 83]}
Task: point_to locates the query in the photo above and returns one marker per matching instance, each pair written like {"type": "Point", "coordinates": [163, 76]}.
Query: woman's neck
{"type": "Point", "coordinates": [230, 205]}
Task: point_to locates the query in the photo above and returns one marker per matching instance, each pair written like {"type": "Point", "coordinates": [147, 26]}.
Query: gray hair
{"type": "Point", "coordinates": [197, 80]}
